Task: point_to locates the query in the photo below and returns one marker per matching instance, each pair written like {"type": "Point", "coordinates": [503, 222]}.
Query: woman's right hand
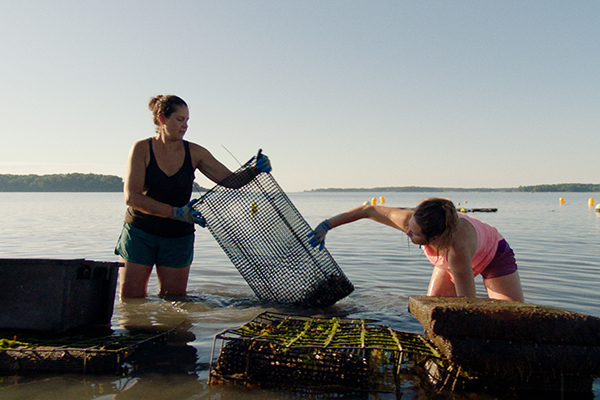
{"type": "Point", "coordinates": [188, 214]}
{"type": "Point", "coordinates": [317, 237]}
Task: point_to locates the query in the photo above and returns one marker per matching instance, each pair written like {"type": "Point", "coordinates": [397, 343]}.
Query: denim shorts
{"type": "Point", "coordinates": [504, 262]}
{"type": "Point", "coordinates": [139, 247]}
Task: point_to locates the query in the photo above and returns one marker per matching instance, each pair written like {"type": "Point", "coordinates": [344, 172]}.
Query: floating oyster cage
{"type": "Point", "coordinates": [305, 354]}
{"type": "Point", "coordinates": [266, 239]}
{"type": "Point", "coordinates": [23, 352]}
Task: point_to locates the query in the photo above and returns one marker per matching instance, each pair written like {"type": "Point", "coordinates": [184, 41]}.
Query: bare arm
{"type": "Point", "coordinates": [135, 177]}
{"type": "Point", "coordinates": [460, 255]}
{"type": "Point", "coordinates": [206, 163]}
{"type": "Point", "coordinates": [219, 173]}
{"type": "Point", "coordinates": [394, 217]}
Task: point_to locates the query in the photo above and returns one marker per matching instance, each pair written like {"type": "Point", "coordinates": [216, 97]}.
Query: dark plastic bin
{"type": "Point", "coordinates": [56, 295]}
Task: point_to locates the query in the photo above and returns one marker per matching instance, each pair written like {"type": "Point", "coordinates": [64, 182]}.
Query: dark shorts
{"type": "Point", "coordinates": [503, 263]}
{"type": "Point", "coordinates": [139, 247]}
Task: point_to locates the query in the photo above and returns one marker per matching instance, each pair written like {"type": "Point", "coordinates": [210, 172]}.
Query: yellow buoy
{"type": "Point", "coordinates": [591, 202]}
{"type": "Point", "coordinates": [253, 208]}
{"type": "Point", "coordinates": [463, 210]}
{"type": "Point", "coordinates": [562, 200]}
{"type": "Point", "coordinates": [374, 200]}
{"type": "Point", "coordinates": [382, 199]}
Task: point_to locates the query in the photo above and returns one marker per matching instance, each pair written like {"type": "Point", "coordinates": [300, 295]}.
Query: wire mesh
{"type": "Point", "coordinates": [296, 352]}
{"type": "Point", "coordinates": [266, 239]}
{"type": "Point", "coordinates": [28, 352]}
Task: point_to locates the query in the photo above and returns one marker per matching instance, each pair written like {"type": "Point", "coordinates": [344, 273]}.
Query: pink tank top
{"type": "Point", "coordinates": [487, 245]}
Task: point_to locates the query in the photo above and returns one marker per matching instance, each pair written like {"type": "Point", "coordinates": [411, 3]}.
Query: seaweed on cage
{"type": "Point", "coordinates": [266, 239]}
{"type": "Point", "coordinates": [77, 353]}
{"type": "Point", "coordinates": [306, 353]}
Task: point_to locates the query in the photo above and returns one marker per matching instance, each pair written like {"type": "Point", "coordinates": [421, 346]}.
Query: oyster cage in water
{"type": "Point", "coordinates": [266, 238]}
{"type": "Point", "coordinates": [305, 353]}
{"type": "Point", "coordinates": [24, 351]}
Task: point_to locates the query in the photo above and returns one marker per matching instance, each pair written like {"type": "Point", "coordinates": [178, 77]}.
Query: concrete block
{"type": "Point", "coordinates": [504, 320]}
{"type": "Point", "coordinates": [512, 344]}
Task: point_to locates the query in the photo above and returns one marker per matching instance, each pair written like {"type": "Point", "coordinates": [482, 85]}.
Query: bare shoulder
{"type": "Point", "coordinates": [465, 228]}
{"type": "Point", "coordinates": [465, 238]}
{"type": "Point", "coordinates": [196, 147]}
{"type": "Point", "coordinates": [199, 154]}
{"type": "Point", "coordinates": [139, 158]}
{"type": "Point", "coordinates": [140, 149]}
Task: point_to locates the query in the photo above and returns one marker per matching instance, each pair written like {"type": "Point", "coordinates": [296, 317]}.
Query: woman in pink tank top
{"type": "Point", "coordinates": [459, 247]}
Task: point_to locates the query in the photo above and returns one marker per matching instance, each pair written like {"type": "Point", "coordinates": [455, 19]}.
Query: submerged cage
{"type": "Point", "coordinates": [30, 352]}
{"type": "Point", "coordinates": [306, 353]}
{"type": "Point", "coordinates": [266, 238]}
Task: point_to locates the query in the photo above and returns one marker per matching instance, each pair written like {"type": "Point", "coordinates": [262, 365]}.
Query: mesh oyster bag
{"type": "Point", "coordinates": [265, 237]}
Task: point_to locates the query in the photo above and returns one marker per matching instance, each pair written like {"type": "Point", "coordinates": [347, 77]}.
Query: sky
{"type": "Point", "coordinates": [338, 94]}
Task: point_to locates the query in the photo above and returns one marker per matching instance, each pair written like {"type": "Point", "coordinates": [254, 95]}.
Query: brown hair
{"type": "Point", "coordinates": [437, 217]}
{"type": "Point", "coordinates": [165, 106]}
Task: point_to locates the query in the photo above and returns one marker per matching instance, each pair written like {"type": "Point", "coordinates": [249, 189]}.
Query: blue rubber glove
{"type": "Point", "coordinates": [317, 237]}
{"type": "Point", "coordinates": [262, 162]}
{"type": "Point", "coordinates": [189, 215]}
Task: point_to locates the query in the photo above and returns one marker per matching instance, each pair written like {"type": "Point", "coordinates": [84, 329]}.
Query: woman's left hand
{"type": "Point", "coordinates": [263, 164]}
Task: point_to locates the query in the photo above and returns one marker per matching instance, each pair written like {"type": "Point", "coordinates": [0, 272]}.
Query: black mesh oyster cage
{"type": "Point", "coordinates": [266, 238]}
{"type": "Point", "coordinates": [321, 354]}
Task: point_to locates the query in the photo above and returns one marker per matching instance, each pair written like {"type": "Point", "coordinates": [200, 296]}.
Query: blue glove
{"type": "Point", "coordinates": [189, 215]}
{"type": "Point", "coordinates": [317, 237]}
{"type": "Point", "coordinates": [262, 162]}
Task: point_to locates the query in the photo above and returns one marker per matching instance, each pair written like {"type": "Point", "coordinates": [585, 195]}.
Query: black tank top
{"type": "Point", "coordinates": [174, 190]}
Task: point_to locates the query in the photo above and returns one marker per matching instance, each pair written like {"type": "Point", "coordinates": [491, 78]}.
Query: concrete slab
{"type": "Point", "coordinates": [513, 344]}
{"type": "Point", "coordinates": [504, 320]}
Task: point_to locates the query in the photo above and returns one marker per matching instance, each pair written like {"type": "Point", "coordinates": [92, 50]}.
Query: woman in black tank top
{"type": "Point", "coordinates": [159, 222]}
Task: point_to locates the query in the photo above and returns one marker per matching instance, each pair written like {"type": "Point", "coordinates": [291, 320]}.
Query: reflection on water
{"type": "Point", "coordinates": [556, 246]}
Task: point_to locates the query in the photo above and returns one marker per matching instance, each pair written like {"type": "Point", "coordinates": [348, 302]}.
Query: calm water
{"type": "Point", "coordinates": [557, 248]}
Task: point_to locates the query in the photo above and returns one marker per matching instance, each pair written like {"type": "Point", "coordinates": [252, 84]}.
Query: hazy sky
{"type": "Point", "coordinates": [336, 93]}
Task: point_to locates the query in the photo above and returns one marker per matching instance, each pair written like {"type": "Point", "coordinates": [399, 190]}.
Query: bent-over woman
{"type": "Point", "coordinates": [460, 247]}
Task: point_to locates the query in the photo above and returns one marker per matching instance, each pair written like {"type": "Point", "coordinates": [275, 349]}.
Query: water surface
{"type": "Point", "coordinates": [557, 248]}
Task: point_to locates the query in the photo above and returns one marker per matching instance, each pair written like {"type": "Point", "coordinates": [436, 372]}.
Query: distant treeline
{"type": "Point", "coordinates": [75, 182]}
{"type": "Point", "coordinates": [561, 187]}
